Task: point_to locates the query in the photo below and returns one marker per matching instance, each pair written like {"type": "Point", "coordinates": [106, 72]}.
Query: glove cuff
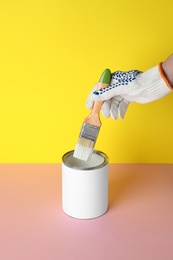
{"type": "Point", "coordinates": [155, 85]}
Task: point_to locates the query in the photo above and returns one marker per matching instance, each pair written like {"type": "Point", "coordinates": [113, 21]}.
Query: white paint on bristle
{"type": "Point", "coordinates": [83, 149]}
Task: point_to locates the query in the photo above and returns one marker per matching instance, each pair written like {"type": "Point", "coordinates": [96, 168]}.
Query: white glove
{"type": "Point", "coordinates": [130, 86]}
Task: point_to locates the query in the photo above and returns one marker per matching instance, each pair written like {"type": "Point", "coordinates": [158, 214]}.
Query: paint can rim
{"type": "Point", "coordinates": [85, 167]}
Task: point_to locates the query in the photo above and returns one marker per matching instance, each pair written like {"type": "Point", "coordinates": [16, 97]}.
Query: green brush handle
{"type": "Point", "coordinates": [105, 77]}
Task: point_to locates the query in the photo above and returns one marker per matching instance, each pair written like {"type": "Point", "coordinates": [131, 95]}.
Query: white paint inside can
{"type": "Point", "coordinates": [85, 185]}
{"type": "Point", "coordinates": [95, 161]}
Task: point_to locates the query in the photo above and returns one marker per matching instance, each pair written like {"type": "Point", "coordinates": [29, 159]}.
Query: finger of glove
{"type": "Point", "coordinates": [90, 101]}
{"type": "Point", "coordinates": [114, 106]}
{"type": "Point", "coordinates": [106, 108]}
{"type": "Point", "coordinates": [123, 105]}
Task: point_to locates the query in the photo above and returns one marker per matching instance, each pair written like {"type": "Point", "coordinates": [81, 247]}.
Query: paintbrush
{"type": "Point", "coordinates": [91, 125]}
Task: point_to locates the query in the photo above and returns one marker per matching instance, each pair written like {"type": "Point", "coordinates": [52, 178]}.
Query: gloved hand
{"type": "Point", "coordinates": [130, 86]}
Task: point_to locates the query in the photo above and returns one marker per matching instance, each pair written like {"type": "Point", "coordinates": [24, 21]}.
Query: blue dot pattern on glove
{"type": "Point", "coordinates": [121, 79]}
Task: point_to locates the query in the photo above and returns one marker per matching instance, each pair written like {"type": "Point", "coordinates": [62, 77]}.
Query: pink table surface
{"type": "Point", "coordinates": [138, 224]}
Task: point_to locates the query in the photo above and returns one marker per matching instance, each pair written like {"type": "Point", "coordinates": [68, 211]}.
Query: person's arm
{"type": "Point", "coordinates": [167, 67]}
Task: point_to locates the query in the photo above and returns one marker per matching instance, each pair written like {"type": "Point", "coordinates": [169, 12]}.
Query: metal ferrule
{"type": "Point", "coordinates": [89, 132]}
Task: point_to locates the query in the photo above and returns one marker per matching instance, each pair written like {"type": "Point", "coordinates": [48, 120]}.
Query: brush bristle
{"type": "Point", "coordinates": [83, 149]}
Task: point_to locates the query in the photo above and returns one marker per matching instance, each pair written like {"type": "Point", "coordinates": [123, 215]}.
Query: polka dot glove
{"type": "Point", "coordinates": [130, 86]}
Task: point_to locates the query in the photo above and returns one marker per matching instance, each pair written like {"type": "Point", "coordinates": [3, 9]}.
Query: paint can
{"type": "Point", "coordinates": [85, 185]}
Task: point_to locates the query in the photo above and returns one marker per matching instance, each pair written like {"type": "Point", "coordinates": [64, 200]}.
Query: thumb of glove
{"type": "Point", "coordinates": [90, 101]}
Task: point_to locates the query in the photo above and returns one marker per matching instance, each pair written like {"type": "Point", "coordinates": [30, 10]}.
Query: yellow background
{"type": "Point", "coordinates": [53, 52]}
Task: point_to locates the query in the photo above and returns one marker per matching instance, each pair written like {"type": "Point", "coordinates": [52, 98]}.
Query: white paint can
{"type": "Point", "coordinates": [85, 185]}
